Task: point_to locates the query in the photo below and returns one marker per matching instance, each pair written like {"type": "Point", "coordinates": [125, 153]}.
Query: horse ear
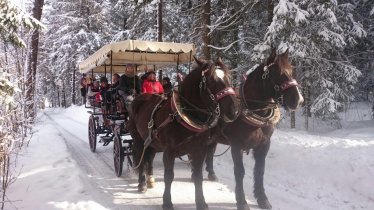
{"type": "Point", "coordinates": [199, 62]}
{"type": "Point", "coordinates": [272, 56]}
{"type": "Point", "coordinates": [285, 54]}
{"type": "Point", "coordinates": [219, 60]}
{"type": "Point", "coordinates": [220, 63]}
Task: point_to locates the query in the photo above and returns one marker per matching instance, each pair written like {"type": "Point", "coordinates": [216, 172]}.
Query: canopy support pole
{"type": "Point", "coordinates": [111, 65]}
{"type": "Point", "coordinates": [189, 64]}
{"type": "Point", "coordinates": [178, 64]}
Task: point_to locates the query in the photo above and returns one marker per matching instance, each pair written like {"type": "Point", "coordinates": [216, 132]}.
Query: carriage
{"type": "Point", "coordinates": [111, 59]}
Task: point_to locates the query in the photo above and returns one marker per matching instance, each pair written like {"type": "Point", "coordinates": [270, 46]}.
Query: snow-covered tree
{"type": "Point", "coordinates": [316, 33]}
{"type": "Point", "coordinates": [11, 20]}
{"type": "Point", "coordinates": [76, 30]}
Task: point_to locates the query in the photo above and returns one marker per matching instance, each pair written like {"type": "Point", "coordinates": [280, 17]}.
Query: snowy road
{"type": "Point", "coordinates": [303, 171]}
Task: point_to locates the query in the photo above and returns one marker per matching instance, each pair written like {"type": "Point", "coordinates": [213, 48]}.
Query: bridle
{"type": "Point", "coordinates": [214, 98]}
{"type": "Point", "coordinates": [279, 90]}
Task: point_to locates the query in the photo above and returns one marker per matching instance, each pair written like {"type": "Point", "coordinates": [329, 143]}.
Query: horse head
{"type": "Point", "coordinates": [212, 88]}
{"type": "Point", "coordinates": [276, 81]}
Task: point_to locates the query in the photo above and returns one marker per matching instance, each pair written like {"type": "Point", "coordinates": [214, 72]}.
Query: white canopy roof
{"type": "Point", "coordinates": [141, 53]}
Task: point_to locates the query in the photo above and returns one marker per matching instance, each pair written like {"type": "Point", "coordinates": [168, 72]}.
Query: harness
{"type": "Point", "coordinates": [181, 117]}
{"type": "Point", "coordinates": [272, 116]}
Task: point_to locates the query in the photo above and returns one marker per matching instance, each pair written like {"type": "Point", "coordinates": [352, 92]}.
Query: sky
{"type": "Point", "coordinates": [322, 169]}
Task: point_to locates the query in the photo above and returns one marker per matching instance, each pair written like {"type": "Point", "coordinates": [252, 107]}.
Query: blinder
{"type": "Point", "coordinates": [215, 98]}
{"type": "Point", "coordinates": [279, 89]}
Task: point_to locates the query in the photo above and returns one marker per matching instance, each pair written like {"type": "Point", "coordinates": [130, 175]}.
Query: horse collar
{"type": "Point", "coordinates": [183, 119]}
{"type": "Point", "coordinates": [254, 119]}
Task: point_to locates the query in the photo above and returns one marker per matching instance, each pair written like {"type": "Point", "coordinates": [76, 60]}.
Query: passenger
{"type": "Point", "coordinates": [115, 80]}
{"type": "Point", "coordinates": [166, 84]}
{"type": "Point", "coordinates": [95, 87]}
{"type": "Point", "coordinates": [128, 86]}
{"type": "Point", "coordinates": [104, 89]}
{"type": "Point", "coordinates": [129, 82]}
{"type": "Point", "coordinates": [151, 85]}
{"type": "Point", "coordinates": [83, 87]}
{"type": "Point", "coordinates": [105, 96]}
{"type": "Point", "coordinates": [142, 79]}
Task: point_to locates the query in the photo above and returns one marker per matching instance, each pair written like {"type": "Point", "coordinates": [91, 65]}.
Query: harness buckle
{"type": "Point", "coordinates": [212, 97]}
{"type": "Point", "coordinates": [150, 124]}
{"type": "Point", "coordinates": [266, 72]}
{"type": "Point", "coordinates": [174, 115]}
{"type": "Point", "coordinates": [280, 100]}
{"type": "Point", "coordinates": [218, 110]}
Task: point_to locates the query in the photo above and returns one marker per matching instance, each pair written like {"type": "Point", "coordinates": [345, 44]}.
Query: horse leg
{"type": "Point", "coordinates": [139, 160]}
{"type": "Point", "coordinates": [259, 154]}
{"type": "Point", "coordinates": [168, 159]}
{"type": "Point", "coordinates": [239, 171]}
{"type": "Point", "coordinates": [197, 174]}
{"type": "Point", "coordinates": [209, 162]}
{"type": "Point", "coordinates": [150, 179]}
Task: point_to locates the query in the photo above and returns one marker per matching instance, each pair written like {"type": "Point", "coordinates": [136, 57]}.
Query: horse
{"type": "Point", "coordinates": [172, 124]}
{"type": "Point", "coordinates": [269, 85]}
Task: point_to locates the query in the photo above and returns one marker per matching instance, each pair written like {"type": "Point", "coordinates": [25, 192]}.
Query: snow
{"type": "Point", "coordinates": [329, 170]}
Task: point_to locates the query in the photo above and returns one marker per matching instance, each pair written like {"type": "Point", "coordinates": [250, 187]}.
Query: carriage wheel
{"type": "Point", "coordinates": [118, 156]}
{"type": "Point", "coordinates": [92, 136]}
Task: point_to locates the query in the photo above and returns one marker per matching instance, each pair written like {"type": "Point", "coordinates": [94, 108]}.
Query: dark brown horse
{"type": "Point", "coordinates": [173, 124]}
{"type": "Point", "coordinates": [269, 85]}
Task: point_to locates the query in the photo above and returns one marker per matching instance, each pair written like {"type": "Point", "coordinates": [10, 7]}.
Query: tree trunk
{"type": "Point", "coordinates": [33, 60]}
{"type": "Point", "coordinates": [270, 11]}
{"type": "Point", "coordinates": [205, 35]}
{"type": "Point", "coordinates": [159, 21]}
{"type": "Point", "coordinates": [159, 31]}
{"type": "Point", "coordinates": [74, 91]}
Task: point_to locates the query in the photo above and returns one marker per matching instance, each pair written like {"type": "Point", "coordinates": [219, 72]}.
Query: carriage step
{"type": "Point", "coordinates": [127, 141]}
{"type": "Point", "coordinates": [106, 140]}
{"type": "Point", "coordinates": [115, 117]}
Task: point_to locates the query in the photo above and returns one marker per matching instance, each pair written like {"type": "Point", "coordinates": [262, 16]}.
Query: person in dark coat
{"type": "Point", "coordinates": [129, 85]}
{"type": "Point", "coordinates": [166, 84]}
{"type": "Point", "coordinates": [129, 81]}
{"type": "Point", "coordinates": [115, 81]}
{"type": "Point", "coordinates": [83, 87]}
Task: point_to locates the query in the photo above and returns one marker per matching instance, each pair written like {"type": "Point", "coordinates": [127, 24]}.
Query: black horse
{"type": "Point", "coordinates": [171, 124]}
{"type": "Point", "coordinates": [269, 85]}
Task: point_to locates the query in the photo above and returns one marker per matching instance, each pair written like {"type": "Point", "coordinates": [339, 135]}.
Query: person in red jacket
{"type": "Point", "coordinates": [151, 85]}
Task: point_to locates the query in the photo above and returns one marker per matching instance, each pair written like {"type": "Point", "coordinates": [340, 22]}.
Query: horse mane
{"type": "Point", "coordinates": [283, 63]}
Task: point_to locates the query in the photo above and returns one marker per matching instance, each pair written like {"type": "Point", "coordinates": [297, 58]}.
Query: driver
{"type": "Point", "coordinates": [129, 84]}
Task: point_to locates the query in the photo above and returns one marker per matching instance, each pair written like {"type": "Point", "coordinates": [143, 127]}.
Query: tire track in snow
{"type": "Point", "coordinates": [123, 191]}
{"type": "Point", "coordinates": [101, 179]}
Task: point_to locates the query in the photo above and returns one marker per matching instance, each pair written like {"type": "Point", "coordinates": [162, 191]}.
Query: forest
{"type": "Point", "coordinates": [330, 42]}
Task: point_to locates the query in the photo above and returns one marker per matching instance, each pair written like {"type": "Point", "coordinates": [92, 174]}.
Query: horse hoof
{"type": "Point", "coordinates": [151, 182]}
{"type": "Point", "coordinates": [242, 206]}
{"type": "Point", "coordinates": [142, 188]}
{"type": "Point", "coordinates": [202, 207]}
{"type": "Point", "coordinates": [212, 177]}
{"type": "Point", "coordinates": [167, 207]}
{"type": "Point", "coordinates": [264, 204]}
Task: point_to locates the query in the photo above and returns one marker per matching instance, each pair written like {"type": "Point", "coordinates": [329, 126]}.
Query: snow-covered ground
{"type": "Point", "coordinates": [316, 170]}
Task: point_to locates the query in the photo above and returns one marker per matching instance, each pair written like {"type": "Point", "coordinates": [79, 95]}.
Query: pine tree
{"type": "Point", "coordinates": [316, 38]}
{"type": "Point", "coordinates": [76, 30]}
{"type": "Point", "coordinates": [11, 19]}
